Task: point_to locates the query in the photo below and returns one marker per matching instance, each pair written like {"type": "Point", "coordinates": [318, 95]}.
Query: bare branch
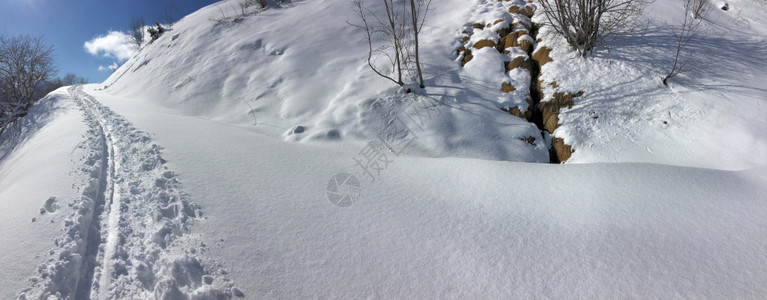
{"type": "Point", "coordinates": [25, 63]}
{"type": "Point", "coordinates": [694, 10]}
{"type": "Point", "coordinates": [585, 23]}
{"type": "Point", "coordinates": [137, 31]}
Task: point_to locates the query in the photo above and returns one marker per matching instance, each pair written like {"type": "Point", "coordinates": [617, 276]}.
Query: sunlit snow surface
{"type": "Point", "coordinates": [230, 143]}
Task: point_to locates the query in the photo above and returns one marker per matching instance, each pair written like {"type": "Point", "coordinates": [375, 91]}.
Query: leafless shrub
{"type": "Point", "coordinates": [242, 9]}
{"type": "Point", "coordinates": [137, 31]}
{"type": "Point", "coordinates": [694, 11]}
{"type": "Point", "coordinates": [392, 28]}
{"type": "Point", "coordinates": [400, 26]}
{"type": "Point", "coordinates": [245, 6]}
{"type": "Point", "coordinates": [223, 18]}
{"type": "Point", "coordinates": [584, 23]}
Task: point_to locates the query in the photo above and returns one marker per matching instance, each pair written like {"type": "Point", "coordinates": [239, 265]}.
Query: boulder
{"type": "Point", "coordinates": [527, 11]}
{"type": "Point", "coordinates": [561, 151]}
{"type": "Point", "coordinates": [483, 43]}
{"type": "Point", "coordinates": [525, 43]}
{"type": "Point", "coordinates": [520, 62]}
{"type": "Point", "coordinates": [541, 55]}
{"type": "Point", "coordinates": [509, 40]}
{"type": "Point", "coordinates": [507, 87]}
{"type": "Point", "coordinates": [550, 109]}
{"type": "Point", "coordinates": [466, 57]}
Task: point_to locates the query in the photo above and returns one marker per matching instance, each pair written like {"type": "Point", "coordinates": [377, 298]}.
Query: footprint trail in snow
{"type": "Point", "coordinates": [128, 235]}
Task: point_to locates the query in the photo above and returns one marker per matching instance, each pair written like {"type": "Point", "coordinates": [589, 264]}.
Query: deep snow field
{"type": "Point", "coordinates": [225, 160]}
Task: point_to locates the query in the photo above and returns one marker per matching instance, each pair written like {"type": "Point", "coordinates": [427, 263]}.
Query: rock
{"type": "Point", "coordinates": [528, 139]}
{"type": "Point", "coordinates": [507, 87]}
{"type": "Point", "coordinates": [520, 24]}
{"type": "Point", "coordinates": [503, 31]}
{"type": "Point", "coordinates": [509, 40]}
{"type": "Point", "coordinates": [520, 62]}
{"type": "Point", "coordinates": [483, 43]}
{"type": "Point", "coordinates": [550, 109]}
{"type": "Point", "coordinates": [528, 10]}
{"type": "Point", "coordinates": [515, 111]}
{"type": "Point", "coordinates": [466, 57]}
{"type": "Point", "coordinates": [541, 55]}
{"type": "Point", "coordinates": [561, 151]}
{"type": "Point", "coordinates": [525, 43]}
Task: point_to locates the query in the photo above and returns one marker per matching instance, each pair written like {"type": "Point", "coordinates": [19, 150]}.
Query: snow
{"type": "Point", "coordinates": [482, 228]}
{"type": "Point", "coordinates": [717, 109]}
{"type": "Point", "coordinates": [43, 154]}
{"type": "Point", "coordinates": [201, 168]}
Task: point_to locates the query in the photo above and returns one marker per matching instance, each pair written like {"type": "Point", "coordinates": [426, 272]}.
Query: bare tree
{"type": "Point", "coordinates": [55, 83]}
{"type": "Point", "coordinates": [417, 17]}
{"type": "Point", "coordinates": [25, 63]}
{"type": "Point", "coordinates": [392, 29]}
{"type": "Point", "coordinates": [694, 11]}
{"type": "Point", "coordinates": [584, 23]}
{"type": "Point", "coordinates": [68, 79]}
{"type": "Point", "coordinates": [400, 26]}
{"type": "Point", "coordinates": [72, 79]}
{"type": "Point", "coordinates": [137, 31]}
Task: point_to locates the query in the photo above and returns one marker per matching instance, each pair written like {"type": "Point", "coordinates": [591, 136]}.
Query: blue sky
{"type": "Point", "coordinates": [68, 25]}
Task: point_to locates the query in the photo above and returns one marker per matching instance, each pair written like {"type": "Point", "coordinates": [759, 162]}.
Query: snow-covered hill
{"type": "Point", "coordinates": [255, 159]}
{"type": "Point", "coordinates": [303, 66]}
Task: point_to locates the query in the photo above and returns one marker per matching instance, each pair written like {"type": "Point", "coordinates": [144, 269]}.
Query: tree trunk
{"type": "Point", "coordinates": [414, 14]}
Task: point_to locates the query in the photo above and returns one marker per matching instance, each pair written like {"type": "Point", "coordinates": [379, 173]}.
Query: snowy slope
{"type": "Point", "coordinates": [267, 70]}
{"type": "Point", "coordinates": [303, 65]}
{"type": "Point", "coordinates": [206, 166]}
{"type": "Point", "coordinates": [480, 228]}
{"type": "Point", "coordinates": [713, 116]}
{"type": "Point", "coordinates": [47, 153]}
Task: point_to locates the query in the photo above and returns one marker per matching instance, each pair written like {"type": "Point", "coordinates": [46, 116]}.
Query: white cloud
{"type": "Point", "coordinates": [114, 44]}
{"type": "Point", "coordinates": [111, 67]}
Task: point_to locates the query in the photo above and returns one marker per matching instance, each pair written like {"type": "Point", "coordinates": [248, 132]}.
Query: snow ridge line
{"type": "Point", "coordinates": [128, 235]}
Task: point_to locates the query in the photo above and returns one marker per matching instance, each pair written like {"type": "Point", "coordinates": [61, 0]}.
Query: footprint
{"type": "Point", "coordinates": [50, 206]}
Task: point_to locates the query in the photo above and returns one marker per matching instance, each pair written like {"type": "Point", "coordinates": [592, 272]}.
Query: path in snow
{"type": "Point", "coordinates": [129, 233]}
